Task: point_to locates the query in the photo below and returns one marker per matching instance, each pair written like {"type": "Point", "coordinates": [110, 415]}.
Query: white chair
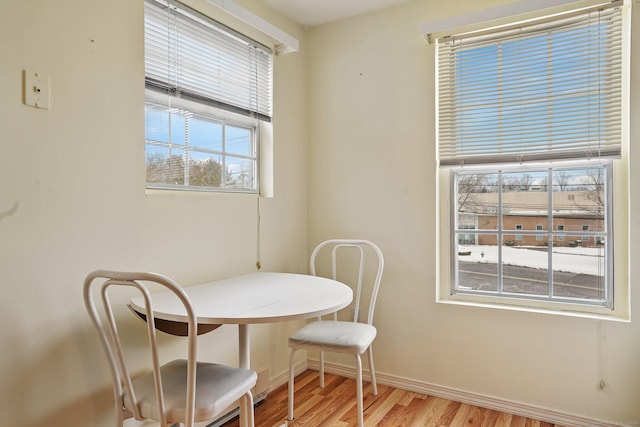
{"type": "Point", "coordinates": [181, 391]}
{"type": "Point", "coordinates": [351, 337]}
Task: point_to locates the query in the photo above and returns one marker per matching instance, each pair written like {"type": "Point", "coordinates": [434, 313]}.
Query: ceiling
{"type": "Point", "coordinates": [309, 13]}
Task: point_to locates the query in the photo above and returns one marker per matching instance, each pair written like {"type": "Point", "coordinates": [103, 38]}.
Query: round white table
{"type": "Point", "coordinates": [252, 298]}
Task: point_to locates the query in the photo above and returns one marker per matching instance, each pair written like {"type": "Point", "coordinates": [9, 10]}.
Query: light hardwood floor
{"type": "Point", "coordinates": [335, 405]}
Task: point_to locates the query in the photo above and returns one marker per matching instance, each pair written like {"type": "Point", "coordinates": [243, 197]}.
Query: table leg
{"type": "Point", "coordinates": [244, 346]}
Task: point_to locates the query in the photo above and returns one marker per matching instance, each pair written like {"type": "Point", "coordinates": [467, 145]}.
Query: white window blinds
{"type": "Point", "coordinates": [544, 90]}
{"type": "Point", "coordinates": [189, 55]}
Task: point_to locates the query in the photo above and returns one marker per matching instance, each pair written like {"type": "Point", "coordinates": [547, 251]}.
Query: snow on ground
{"type": "Point", "coordinates": [573, 260]}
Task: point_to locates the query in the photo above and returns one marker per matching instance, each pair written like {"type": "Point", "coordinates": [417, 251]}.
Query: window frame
{"type": "Point", "coordinates": [459, 291]}
{"type": "Point", "coordinates": [212, 115]}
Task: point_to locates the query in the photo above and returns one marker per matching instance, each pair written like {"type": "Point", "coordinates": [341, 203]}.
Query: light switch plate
{"type": "Point", "coordinates": [36, 89]}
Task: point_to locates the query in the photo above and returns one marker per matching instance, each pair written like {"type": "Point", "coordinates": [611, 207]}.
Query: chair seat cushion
{"type": "Point", "coordinates": [336, 336]}
{"type": "Point", "coordinates": [217, 387]}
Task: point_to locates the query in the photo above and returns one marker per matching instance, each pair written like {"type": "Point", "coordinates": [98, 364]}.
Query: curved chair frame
{"type": "Point", "coordinates": [123, 384]}
{"type": "Point", "coordinates": [295, 344]}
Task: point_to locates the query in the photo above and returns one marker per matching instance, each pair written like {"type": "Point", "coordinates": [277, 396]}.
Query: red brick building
{"type": "Point", "coordinates": [574, 213]}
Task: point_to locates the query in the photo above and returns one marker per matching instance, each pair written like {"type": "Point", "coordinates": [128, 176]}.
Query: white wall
{"type": "Point", "coordinates": [372, 173]}
{"type": "Point", "coordinates": [72, 199]}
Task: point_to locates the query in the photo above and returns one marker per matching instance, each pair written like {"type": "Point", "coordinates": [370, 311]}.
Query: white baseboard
{"type": "Point", "coordinates": [502, 405]}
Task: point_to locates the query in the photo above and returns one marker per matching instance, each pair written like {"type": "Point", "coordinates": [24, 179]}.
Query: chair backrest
{"type": "Point", "coordinates": [103, 319]}
{"type": "Point", "coordinates": [360, 247]}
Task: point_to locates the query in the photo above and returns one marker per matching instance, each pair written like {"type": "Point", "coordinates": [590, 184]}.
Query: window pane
{"type": "Point", "coordinates": [477, 201]}
{"type": "Point", "coordinates": [578, 204]}
{"type": "Point", "coordinates": [239, 173]}
{"type": "Point", "coordinates": [162, 126]}
{"type": "Point", "coordinates": [238, 141]}
{"type": "Point", "coordinates": [516, 258]}
{"type": "Point", "coordinates": [565, 206]}
{"type": "Point", "coordinates": [200, 151]}
{"type": "Point", "coordinates": [178, 128]}
{"type": "Point", "coordinates": [525, 206]}
{"type": "Point", "coordinates": [164, 165]}
{"type": "Point", "coordinates": [205, 170]}
{"type": "Point", "coordinates": [579, 272]}
{"type": "Point", "coordinates": [525, 270]}
{"type": "Point", "coordinates": [156, 124]}
{"type": "Point", "coordinates": [477, 266]}
{"type": "Point", "coordinates": [205, 134]}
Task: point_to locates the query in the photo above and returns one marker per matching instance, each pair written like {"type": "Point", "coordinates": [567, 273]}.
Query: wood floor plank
{"type": "Point", "coordinates": [335, 418]}
{"type": "Point", "coordinates": [427, 414]}
{"type": "Point", "coordinates": [461, 415]}
{"type": "Point", "coordinates": [335, 406]}
{"type": "Point", "coordinates": [407, 398]}
{"type": "Point", "coordinates": [503, 420]}
{"type": "Point", "coordinates": [376, 414]}
{"type": "Point", "coordinates": [449, 414]}
{"type": "Point", "coordinates": [475, 416]}
{"type": "Point", "coordinates": [517, 421]}
{"type": "Point", "coordinates": [397, 416]}
{"type": "Point", "coordinates": [325, 408]}
{"type": "Point", "coordinates": [490, 418]}
{"type": "Point", "coordinates": [338, 403]}
{"type": "Point", "coordinates": [415, 410]}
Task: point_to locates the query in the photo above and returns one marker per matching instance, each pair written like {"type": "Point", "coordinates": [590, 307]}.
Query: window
{"type": "Point", "coordinates": [585, 237]}
{"type": "Point", "coordinates": [467, 222]}
{"type": "Point", "coordinates": [518, 228]}
{"type": "Point", "coordinates": [208, 89]}
{"type": "Point", "coordinates": [529, 116]}
{"type": "Point", "coordinates": [566, 271]}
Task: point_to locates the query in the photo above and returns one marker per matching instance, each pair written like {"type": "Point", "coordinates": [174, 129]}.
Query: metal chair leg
{"type": "Point", "coordinates": [291, 380]}
{"type": "Point", "coordinates": [359, 390]}
{"type": "Point", "coordinates": [322, 369]}
{"type": "Point", "coordinates": [246, 417]}
{"type": "Point", "coordinates": [372, 371]}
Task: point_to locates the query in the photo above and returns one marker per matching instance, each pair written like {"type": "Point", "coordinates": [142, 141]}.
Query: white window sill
{"type": "Point", "coordinates": [556, 309]}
